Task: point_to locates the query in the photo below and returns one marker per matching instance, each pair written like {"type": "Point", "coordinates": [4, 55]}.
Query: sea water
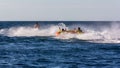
{"type": "Point", "coordinates": [23, 46]}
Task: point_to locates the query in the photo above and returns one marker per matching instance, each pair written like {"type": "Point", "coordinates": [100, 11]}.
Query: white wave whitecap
{"type": "Point", "coordinates": [106, 35]}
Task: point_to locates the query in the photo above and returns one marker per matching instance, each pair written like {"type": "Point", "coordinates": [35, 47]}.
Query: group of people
{"type": "Point", "coordinates": [78, 30]}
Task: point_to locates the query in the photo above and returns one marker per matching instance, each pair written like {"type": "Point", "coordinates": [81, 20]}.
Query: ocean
{"type": "Point", "coordinates": [23, 46]}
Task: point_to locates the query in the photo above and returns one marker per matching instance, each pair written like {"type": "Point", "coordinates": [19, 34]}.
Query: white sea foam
{"type": "Point", "coordinates": [28, 31]}
{"type": "Point", "coordinates": [110, 34]}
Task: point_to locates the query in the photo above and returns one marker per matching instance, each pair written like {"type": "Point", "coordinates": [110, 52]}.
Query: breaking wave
{"type": "Point", "coordinates": [104, 34]}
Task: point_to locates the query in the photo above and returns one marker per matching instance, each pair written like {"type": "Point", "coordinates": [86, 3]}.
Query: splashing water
{"type": "Point", "coordinates": [28, 31]}
{"type": "Point", "coordinates": [109, 34]}
{"type": "Point", "coordinates": [62, 25]}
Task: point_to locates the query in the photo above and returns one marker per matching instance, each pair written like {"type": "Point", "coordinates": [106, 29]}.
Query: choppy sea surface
{"type": "Point", "coordinates": [23, 46]}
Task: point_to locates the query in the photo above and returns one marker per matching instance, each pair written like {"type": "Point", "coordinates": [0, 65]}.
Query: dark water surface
{"type": "Point", "coordinates": [49, 52]}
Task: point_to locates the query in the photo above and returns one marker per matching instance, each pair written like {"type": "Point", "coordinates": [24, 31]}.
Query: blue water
{"type": "Point", "coordinates": [38, 51]}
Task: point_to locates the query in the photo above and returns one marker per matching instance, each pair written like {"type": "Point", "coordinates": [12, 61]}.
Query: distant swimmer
{"type": "Point", "coordinates": [36, 25]}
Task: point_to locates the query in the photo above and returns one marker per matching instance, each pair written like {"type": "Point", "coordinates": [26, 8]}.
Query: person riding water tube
{"type": "Point", "coordinates": [59, 32]}
{"type": "Point", "coordinates": [79, 30]}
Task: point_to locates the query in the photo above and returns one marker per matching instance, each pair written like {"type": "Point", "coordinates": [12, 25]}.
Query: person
{"type": "Point", "coordinates": [59, 32]}
{"type": "Point", "coordinates": [37, 25]}
{"type": "Point", "coordinates": [79, 30]}
{"type": "Point", "coordinates": [63, 30]}
{"type": "Point", "coordinates": [60, 29]}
